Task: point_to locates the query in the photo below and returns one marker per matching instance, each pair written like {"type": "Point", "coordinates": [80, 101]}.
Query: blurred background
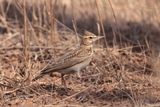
{"type": "Point", "coordinates": [128, 20]}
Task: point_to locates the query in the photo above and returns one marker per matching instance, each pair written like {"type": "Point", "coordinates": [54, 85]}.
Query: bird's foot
{"type": "Point", "coordinates": [79, 75]}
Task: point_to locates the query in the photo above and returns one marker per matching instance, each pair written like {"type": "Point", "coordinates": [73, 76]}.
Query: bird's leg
{"type": "Point", "coordinates": [79, 74]}
{"type": "Point", "coordinates": [63, 80]}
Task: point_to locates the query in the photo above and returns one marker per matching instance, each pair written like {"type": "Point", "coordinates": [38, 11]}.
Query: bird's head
{"type": "Point", "coordinates": [89, 38]}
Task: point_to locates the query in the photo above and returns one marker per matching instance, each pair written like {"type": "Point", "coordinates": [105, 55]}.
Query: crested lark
{"type": "Point", "coordinates": [73, 61]}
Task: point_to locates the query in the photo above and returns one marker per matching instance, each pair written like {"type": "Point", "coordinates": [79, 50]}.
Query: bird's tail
{"type": "Point", "coordinates": [37, 77]}
{"type": "Point", "coordinates": [41, 74]}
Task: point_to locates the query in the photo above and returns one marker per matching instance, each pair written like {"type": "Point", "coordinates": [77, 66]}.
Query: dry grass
{"type": "Point", "coordinates": [125, 67]}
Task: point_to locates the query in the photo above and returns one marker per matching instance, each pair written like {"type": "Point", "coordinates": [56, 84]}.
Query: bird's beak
{"type": "Point", "coordinates": [98, 37]}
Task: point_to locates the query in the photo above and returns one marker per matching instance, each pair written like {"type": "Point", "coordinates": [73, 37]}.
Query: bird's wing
{"type": "Point", "coordinates": [66, 61]}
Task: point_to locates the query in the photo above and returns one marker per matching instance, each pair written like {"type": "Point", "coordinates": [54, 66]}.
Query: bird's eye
{"type": "Point", "coordinates": [90, 37]}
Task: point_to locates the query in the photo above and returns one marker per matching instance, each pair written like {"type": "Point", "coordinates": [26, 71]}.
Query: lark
{"type": "Point", "coordinates": [73, 61]}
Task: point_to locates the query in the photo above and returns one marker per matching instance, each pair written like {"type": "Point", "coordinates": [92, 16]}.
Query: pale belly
{"type": "Point", "coordinates": [77, 67]}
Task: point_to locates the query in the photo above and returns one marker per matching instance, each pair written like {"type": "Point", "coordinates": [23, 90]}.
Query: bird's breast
{"type": "Point", "coordinates": [77, 67]}
{"type": "Point", "coordinates": [81, 65]}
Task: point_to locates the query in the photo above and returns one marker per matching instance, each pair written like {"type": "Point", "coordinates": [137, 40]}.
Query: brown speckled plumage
{"type": "Point", "coordinates": [73, 61]}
